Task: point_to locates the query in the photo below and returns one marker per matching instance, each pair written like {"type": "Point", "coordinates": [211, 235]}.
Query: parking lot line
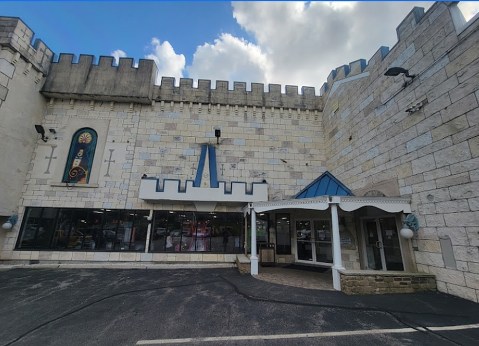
{"type": "Point", "coordinates": [461, 327]}
{"type": "Point", "coordinates": [273, 336]}
{"type": "Point", "coordinates": [302, 335]}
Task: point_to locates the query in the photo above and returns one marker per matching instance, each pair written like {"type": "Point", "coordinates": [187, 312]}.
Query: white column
{"type": "Point", "coordinates": [148, 231]}
{"type": "Point", "coordinates": [254, 257]}
{"type": "Point", "coordinates": [245, 232]}
{"type": "Point", "coordinates": [337, 260]}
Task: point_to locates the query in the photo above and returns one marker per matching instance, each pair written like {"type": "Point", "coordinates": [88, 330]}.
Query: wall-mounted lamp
{"type": "Point", "coordinates": [41, 131]}
{"type": "Point", "coordinates": [12, 220]}
{"type": "Point", "coordinates": [217, 135]}
{"type": "Point", "coordinates": [396, 71]}
{"type": "Point", "coordinates": [411, 225]}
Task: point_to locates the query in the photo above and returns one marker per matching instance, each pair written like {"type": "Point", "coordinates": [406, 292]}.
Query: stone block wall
{"type": "Point", "coordinates": [372, 282]}
{"type": "Point", "coordinates": [164, 140]}
{"type": "Point", "coordinates": [284, 147]}
{"type": "Point", "coordinates": [85, 80]}
{"type": "Point", "coordinates": [418, 141]}
{"type": "Point", "coordinates": [22, 68]}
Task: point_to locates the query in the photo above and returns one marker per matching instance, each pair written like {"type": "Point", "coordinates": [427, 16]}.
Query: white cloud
{"type": "Point", "coordinates": [299, 43]}
{"type": "Point", "coordinates": [168, 62]}
{"type": "Point", "coordinates": [229, 58]}
{"type": "Point", "coordinates": [117, 54]}
{"type": "Point", "coordinates": [295, 43]}
{"type": "Point", "coordinates": [469, 9]}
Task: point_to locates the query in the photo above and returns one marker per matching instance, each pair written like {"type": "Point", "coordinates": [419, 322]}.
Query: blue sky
{"type": "Point", "coordinates": [100, 27]}
{"type": "Point", "coordinates": [294, 43]}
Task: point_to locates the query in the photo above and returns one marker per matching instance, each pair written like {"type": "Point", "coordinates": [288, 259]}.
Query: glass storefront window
{"type": "Point", "coordinates": [62, 229]}
{"type": "Point", "coordinates": [126, 230]}
{"type": "Point", "coordinates": [262, 233]}
{"type": "Point", "coordinates": [283, 234]}
{"type": "Point", "coordinates": [38, 230]}
{"type": "Point", "coordinates": [109, 230]}
{"type": "Point", "coordinates": [140, 229]}
{"type": "Point", "coordinates": [174, 231]}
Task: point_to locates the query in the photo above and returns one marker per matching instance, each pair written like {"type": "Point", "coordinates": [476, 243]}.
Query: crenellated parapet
{"type": "Point", "coordinates": [238, 96]}
{"type": "Point", "coordinates": [235, 192]}
{"type": "Point", "coordinates": [86, 80]}
{"type": "Point", "coordinates": [17, 36]}
{"type": "Point", "coordinates": [359, 68]}
{"type": "Point", "coordinates": [355, 68]}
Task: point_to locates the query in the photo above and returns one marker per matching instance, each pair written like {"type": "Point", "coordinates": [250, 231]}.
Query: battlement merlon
{"type": "Point", "coordinates": [238, 96]}
{"type": "Point", "coordinates": [17, 36]}
{"type": "Point", "coordinates": [409, 23]}
{"type": "Point", "coordinates": [85, 80]}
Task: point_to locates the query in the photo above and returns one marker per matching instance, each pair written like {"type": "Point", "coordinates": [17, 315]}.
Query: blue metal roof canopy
{"type": "Point", "coordinates": [325, 185]}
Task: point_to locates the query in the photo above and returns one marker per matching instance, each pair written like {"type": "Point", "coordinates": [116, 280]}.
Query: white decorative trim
{"type": "Point", "coordinates": [346, 203]}
{"type": "Point", "coordinates": [318, 203]}
{"type": "Point", "coordinates": [150, 191]}
{"type": "Point", "coordinates": [389, 204]}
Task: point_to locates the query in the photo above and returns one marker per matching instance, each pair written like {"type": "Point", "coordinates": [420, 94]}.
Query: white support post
{"type": "Point", "coordinates": [254, 257]}
{"type": "Point", "coordinates": [148, 231]}
{"type": "Point", "coordinates": [337, 261]}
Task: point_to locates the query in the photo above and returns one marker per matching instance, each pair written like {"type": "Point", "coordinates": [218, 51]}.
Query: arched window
{"type": "Point", "coordinates": [80, 157]}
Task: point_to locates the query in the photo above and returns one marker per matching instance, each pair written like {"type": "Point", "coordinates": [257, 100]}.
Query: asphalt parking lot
{"type": "Point", "coordinates": [215, 307]}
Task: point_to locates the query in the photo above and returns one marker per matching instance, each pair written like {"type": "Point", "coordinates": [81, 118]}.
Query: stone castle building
{"type": "Point", "coordinates": [103, 165]}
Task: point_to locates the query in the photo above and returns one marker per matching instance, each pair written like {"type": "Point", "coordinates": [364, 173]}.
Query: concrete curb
{"type": "Point", "coordinates": [118, 266]}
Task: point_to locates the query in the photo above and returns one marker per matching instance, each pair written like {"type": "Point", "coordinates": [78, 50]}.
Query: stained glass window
{"type": "Point", "coordinates": [80, 157]}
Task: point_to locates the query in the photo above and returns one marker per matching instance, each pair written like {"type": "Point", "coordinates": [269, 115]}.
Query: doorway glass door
{"type": "Point", "coordinates": [322, 241]}
{"type": "Point", "coordinates": [383, 251]}
{"type": "Point", "coordinates": [313, 241]}
{"type": "Point", "coordinates": [303, 240]}
{"type": "Point", "coordinates": [390, 242]}
{"type": "Point", "coordinates": [373, 245]}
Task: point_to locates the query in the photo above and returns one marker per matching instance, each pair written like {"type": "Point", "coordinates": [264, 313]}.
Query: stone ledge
{"type": "Point", "coordinates": [379, 282]}
{"type": "Point", "coordinates": [243, 263]}
{"type": "Point", "coordinates": [6, 265]}
{"type": "Point", "coordinates": [73, 185]}
{"type": "Point", "coordinates": [383, 273]}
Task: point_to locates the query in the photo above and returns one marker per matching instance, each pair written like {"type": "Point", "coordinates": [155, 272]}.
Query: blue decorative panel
{"type": "Point", "coordinates": [80, 157]}
{"type": "Point", "coordinates": [211, 152]}
{"type": "Point", "coordinates": [325, 185]}
{"type": "Point", "coordinates": [201, 165]}
{"type": "Point", "coordinates": [213, 168]}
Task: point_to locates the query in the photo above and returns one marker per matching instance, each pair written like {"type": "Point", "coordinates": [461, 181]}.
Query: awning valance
{"type": "Point", "coordinates": [346, 203]}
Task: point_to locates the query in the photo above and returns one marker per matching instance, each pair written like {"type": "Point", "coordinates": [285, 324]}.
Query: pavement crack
{"type": "Point", "coordinates": [392, 313]}
{"type": "Point", "coordinates": [82, 307]}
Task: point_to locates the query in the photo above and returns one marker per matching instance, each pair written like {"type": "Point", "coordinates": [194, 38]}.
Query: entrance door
{"type": "Point", "coordinates": [382, 248]}
{"type": "Point", "coordinates": [304, 243]}
{"type": "Point", "coordinates": [313, 241]}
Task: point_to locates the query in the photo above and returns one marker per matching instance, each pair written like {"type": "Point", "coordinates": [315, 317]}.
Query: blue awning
{"type": "Point", "coordinates": [325, 185]}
